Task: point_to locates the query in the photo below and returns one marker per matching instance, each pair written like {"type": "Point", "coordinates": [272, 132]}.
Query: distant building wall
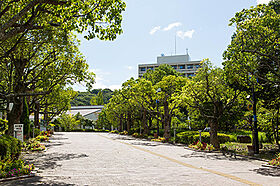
{"type": "Point", "coordinates": [181, 63]}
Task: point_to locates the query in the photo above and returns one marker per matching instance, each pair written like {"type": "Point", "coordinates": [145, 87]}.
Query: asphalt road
{"type": "Point", "coordinates": [110, 159]}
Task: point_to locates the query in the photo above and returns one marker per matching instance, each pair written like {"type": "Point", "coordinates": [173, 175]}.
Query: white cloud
{"type": "Point", "coordinates": [154, 30]}
{"type": "Point", "coordinates": [129, 67]}
{"type": "Point", "coordinates": [172, 25]}
{"type": "Point", "coordinates": [183, 34]}
{"type": "Point", "coordinates": [263, 1]}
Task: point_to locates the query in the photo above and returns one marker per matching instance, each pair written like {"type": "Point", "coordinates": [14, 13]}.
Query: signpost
{"type": "Point", "coordinates": [18, 131]}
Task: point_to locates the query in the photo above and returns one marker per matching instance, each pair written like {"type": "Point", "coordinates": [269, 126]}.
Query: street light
{"type": "Point", "coordinates": [255, 127]}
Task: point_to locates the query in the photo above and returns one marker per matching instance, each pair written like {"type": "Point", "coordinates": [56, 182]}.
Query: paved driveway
{"type": "Point", "coordinates": [110, 159]}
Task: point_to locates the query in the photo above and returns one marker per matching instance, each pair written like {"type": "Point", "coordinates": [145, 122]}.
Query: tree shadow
{"type": "Point", "coordinates": [216, 156]}
{"type": "Point", "coordinates": [268, 171]}
{"type": "Point", "coordinates": [32, 181]}
{"type": "Point", "coordinates": [49, 161]}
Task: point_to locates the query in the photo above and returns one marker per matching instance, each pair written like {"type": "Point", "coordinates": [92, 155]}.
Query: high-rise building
{"type": "Point", "coordinates": [181, 63]}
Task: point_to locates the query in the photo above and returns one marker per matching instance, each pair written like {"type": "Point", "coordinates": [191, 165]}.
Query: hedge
{"type": "Point", "coordinates": [186, 137]}
{"type": "Point", "coordinates": [10, 147]}
{"type": "Point", "coordinates": [205, 137]}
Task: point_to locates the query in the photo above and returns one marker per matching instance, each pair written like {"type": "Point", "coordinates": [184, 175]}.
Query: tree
{"type": "Point", "coordinates": [209, 94]}
{"type": "Point", "coordinates": [254, 54]}
{"type": "Point", "coordinates": [37, 69]}
{"type": "Point", "coordinates": [254, 50]}
{"type": "Point", "coordinates": [38, 49]}
{"type": "Point", "coordinates": [101, 19]}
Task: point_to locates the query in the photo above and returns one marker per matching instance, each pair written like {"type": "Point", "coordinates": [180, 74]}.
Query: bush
{"type": "Point", "coordinates": [10, 147]}
{"type": "Point", "coordinates": [124, 133]}
{"type": "Point", "coordinates": [186, 137]}
{"type": "Point", "coordinates": [11, 168]}
{"type": "Point", "coordinates": [114, 132]}
{"type": "Point", "coordinates": [159, 139]}
{"type": "Point", "coordinates": [205, 137]}
{"type": "Point", "coordinates": [202, 146]}
{"type": "Point", "coordinates": [3, 126]}
{"type": "Point", "coordinates": [276, 161]}
{"type": "Point", "coordinates": [42, 138]}
{"type": "Point", "coordinates": [36, 132]}
{"type": "Point", "coordinates": [35, 145]}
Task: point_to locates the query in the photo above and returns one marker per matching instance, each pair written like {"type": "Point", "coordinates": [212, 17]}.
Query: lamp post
{"type": "Point", "coordinates": [255, 127]}
{"type": "Point", "coordinates": [255, 133]}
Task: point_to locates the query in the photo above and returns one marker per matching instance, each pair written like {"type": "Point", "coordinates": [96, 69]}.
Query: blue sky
{"type": "Point", "coordinates": [149, 29]}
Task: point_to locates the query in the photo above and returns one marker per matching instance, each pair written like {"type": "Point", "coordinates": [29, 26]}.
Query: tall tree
{"type": "Point", "coordinates": [209, 94]}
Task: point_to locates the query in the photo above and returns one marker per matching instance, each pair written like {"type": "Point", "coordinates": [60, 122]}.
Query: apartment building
{"type": "Point", "coordinates": [181, 63]}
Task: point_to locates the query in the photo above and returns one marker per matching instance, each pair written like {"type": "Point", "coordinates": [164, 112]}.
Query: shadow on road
{"type": "Point", "coordinates": [49, 161]}
{"type": "Point", "coordinates": [268, 171]}
{"type": "Point", "coordinates": [215, 156]}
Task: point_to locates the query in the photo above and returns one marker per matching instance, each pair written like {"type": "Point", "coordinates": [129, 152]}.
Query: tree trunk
{"type": "Point", "coordinates": [128, 121]}
{"type": "Point", "coordinates": [214, 133]}
{"type": "Point", "coordinates": [167, 122]}
{"type": "Point", "coordinates": [14, 116]}
{"type": "Point", "coordinates": [145, 123]}
{"type": "Point", "coordinates": [36, 115]}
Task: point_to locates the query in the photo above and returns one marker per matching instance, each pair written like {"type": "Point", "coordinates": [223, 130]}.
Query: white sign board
{"type": "Point", "coordinates": [18, 131]}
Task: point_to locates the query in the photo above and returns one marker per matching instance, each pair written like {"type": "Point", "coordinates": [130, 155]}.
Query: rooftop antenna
{"type": "Point", "coordinates": [187, 51]}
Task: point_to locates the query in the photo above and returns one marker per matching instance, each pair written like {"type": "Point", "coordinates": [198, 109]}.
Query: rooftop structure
{"type": "Point", "coordinates": [181, 63]}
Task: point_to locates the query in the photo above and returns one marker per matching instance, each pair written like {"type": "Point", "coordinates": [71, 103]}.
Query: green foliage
{"type": "Point", "coordinates": [34, 144]}
{"type": "Point", "coordinates": [10, 147]}
{"type": "Point", "coordinates": [205, 137]}
{"type": "Point", "coordinates": [13, 168]}
{"type": "Point", "coordinates": [276, 161]}
{"type": "Point", "coordinates": [202, 146]}
{"type": "Point", "coordinates": [68, 122]}
{"type": "Point", "coordinates": [84, 98]}
{"type": "Point", "coordinates": [114, 131]}
{"type": "Point", "coordinates": [3, 126]}
{"type": "Point", "coordinates": [42, 138]}
{"type": "Point", "coordinates": [186, 137]}
{"type": "Point", "coordinates": [36, 132]}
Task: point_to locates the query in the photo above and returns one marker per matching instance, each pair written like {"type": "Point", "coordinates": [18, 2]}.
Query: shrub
{"type": "Point", "coordinates": [3, 126]}
{"type": "Point", "coordinates": [11, 168]}
{"type": "Point", "coordinates": [36, 132]}
{"type": "Point", "coordinates": [159, 139]}
{"type": "Point", "coordinates": [202, 146]}
{"type": "Point", "coordinates": [205, 137]}
{"type": "Point", "coordinates": [276, 161]}
{"type": "Point", "coordinates": [114, 132]}
{"type": "Point", "coordinates": [10, 147]}
{"type": "Point", "coordinates": [135, 134]}
{"type": "Point", "coordinates": [124, 133]}
{"type": "Point", "coordinates": [186, 137]}
{"type": "Point", "coordinates": [42, 138]}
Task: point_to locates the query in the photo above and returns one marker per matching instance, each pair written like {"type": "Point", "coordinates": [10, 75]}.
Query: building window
{"type": "Point", "coordinates": [190, 66]}
{"type": "Point", "coordinates": [182, 67]}
{"type": "Point", "coordinates": [174, 66]}
{"type": "Point", "coordinates": [142, 69]}
{"type": "Point", "coordinates": [197, 66]}
{"type": "Point", "coordinates": [150, 68]}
